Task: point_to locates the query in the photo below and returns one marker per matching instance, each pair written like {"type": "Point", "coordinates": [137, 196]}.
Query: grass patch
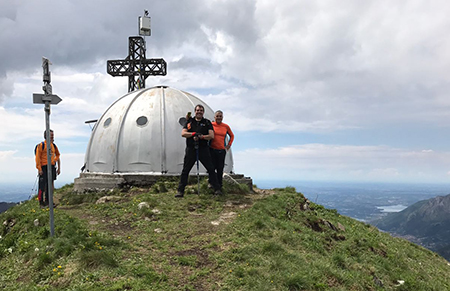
{"type": "Point", "coordinates": [238, 241]}
{"type": "Point", "coordinates": [93, 259]}
{"type": "Point", "coordinates": [187, 260]}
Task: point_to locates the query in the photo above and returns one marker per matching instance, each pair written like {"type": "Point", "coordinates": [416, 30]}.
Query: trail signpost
{"type": "Point", "coordinates": [48, 98]}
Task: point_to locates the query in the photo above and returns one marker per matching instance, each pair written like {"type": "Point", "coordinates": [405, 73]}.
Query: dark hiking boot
{"type": "Point", "coordinates": [218, 192]}
{"type": "Point", "coordinates": [179, 194]}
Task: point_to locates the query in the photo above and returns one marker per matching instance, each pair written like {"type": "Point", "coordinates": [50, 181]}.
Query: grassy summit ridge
{"type": "Point", "coordinates": [271, 240]}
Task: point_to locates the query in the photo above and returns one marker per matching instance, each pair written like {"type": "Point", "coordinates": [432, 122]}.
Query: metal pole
{"type": "Point", "coordinates": [47, 92]}
{"type": "Point", "coordinates": [49, 166]}
{"type": "Point", "coordinates": [198, 170]}
{"type": "Point", "coordinates": [48, 98]}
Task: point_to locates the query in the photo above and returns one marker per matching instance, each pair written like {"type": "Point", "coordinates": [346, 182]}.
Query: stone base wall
{"type": "Point", "coordinates": [100, 181]}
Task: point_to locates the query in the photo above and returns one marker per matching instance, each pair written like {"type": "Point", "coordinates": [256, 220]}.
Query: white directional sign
{"type": "Point", "coordinates": [42, 98]}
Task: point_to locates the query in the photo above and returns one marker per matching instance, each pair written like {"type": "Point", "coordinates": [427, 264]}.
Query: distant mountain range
{"type": "Point", "coordinates": [5, 205]}
{"type": "Point", "coordinates": [426, 223]}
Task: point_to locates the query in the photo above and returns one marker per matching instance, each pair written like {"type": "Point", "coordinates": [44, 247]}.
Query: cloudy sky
{"type": "Point", "coordinates": [314, 90]}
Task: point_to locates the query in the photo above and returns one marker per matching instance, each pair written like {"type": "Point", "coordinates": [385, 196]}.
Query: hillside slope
{"type": "Point", "coordinates": [5, 205]}
{"type": "Point", "coordinates": [145, 239]}
{"type": "Point", "coordinates": [426, 222]}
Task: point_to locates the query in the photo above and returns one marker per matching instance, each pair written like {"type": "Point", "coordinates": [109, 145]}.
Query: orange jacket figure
{"type": "Point", "coordinates": [41, 161]}
{"type": "Point", "coordinates": [220, 132]}
{"type": "Point", "coordinates": [41, 155]}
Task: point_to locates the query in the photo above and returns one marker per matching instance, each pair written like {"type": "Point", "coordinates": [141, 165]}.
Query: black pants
{"type": "Point", "coordinates": [218, 160]}
{"type": "Point", "coordinates": [43, 184]}
{"type": "Point", "coordinates": [190, 158]}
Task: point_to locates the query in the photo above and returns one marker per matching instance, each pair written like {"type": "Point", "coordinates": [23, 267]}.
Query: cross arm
{"type": "Point", "coordinates": [149, 67]}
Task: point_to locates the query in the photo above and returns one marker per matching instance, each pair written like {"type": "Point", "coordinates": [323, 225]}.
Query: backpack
{"type": "Point", "coordinates": [43, 146]}
{"type": "Point", "coordinates": [35, 148]}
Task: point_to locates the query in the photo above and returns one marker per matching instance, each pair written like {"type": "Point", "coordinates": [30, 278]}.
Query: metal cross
{"type": "Point", "coordinates": [136, 66]}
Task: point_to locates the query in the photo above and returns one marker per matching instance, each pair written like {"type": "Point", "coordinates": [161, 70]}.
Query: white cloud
{"type": "Point", "coordinates": [321, 68]}
{"type": "Point", "coordinates": [19, 121]}
{"type": "Point", "coordinates": [19, 169]}
{"type": "Point", "coordinates": [345, 64]}
{"type": "Point", "coordinates": [343, 162]}
{"type": "Point", "coordinates": [385, 173]}
{"type": "Point", "coordinates": [222, 43]}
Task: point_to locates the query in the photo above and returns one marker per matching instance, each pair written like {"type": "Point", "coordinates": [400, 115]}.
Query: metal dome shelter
{"type": "Point", "coordinates": [138, 139]}
{"type": "Point", "coordinates": [141, 132]}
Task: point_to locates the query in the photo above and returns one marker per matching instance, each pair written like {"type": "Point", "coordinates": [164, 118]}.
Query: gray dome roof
{"type": "Point", "coordinates": [141, 133]}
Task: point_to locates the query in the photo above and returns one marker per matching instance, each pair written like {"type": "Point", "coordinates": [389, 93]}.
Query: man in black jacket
{"type": "Point", "coordinates": [197, 131]}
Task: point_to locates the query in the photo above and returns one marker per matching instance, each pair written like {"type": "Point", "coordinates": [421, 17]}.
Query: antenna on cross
{"type": "Point", "coordinates": [136, 66]}
{"type": "Point", "coordinates": [144, 24]}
